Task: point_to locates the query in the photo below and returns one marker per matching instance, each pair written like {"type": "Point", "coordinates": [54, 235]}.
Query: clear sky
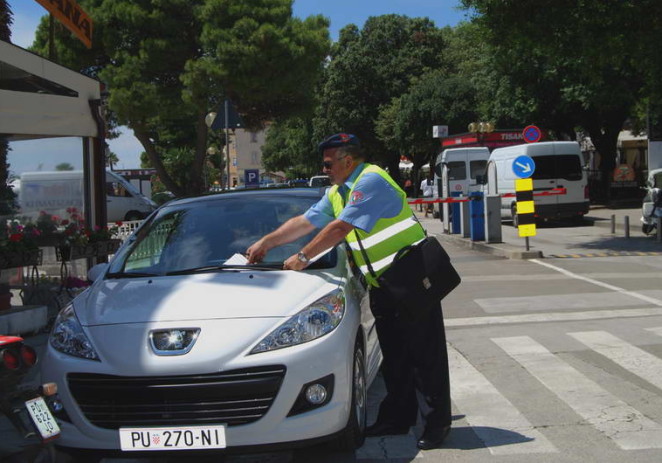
{"type": "Point", "coordinates": [45, 154]}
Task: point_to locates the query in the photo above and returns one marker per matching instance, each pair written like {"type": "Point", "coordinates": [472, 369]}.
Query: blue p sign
{"type": "Point", "coordinates": [252, 177]}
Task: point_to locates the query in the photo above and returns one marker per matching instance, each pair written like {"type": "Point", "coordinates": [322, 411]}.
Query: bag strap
{"type": "Point", "coordinates": [365, 254]}
{"type": "Point", "coordinates": [363, 251]}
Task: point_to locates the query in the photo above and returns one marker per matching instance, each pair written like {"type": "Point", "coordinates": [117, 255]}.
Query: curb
{"type": "Point", "coordinates": [499, 249]}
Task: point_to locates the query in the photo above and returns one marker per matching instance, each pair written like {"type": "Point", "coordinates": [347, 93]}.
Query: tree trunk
{"type": "Point", "coordinates": [605, 139]}
{"type": "Point", "coordinates": [155, 159]}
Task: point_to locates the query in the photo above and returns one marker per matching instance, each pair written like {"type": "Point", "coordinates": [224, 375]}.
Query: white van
{"type": "Point", "coordinates": [465, 166]}
{"type": "Point", "coordinates": [558, 164]}
{"type": "Point", "coordinates": [56, 191]}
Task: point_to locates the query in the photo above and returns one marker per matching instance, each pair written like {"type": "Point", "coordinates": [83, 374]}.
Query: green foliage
{"type": "Point", "coordinates": [565, 64]}
{"type": "Point", "coordinates": [435, 99]}
{"type": "Point", "coordinates": [8, 204]}
{"type": "Point", "coordinates": [289, 147]}
{"type": "Point", "coordinates": [64, 166]}
{"type": "Point", "coordinates": [369, 68]}
{"type": "Point", "coordinates": [167, 63]}
{"type": "Point", "coordinates": [6, 21]}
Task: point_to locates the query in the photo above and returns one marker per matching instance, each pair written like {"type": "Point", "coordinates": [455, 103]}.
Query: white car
{"type": "Point", "coordinates": [175, 346]}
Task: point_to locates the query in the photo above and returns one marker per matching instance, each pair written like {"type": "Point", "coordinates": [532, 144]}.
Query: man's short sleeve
{"type": "Point", "coordinates": [320, 214]}
{"type": "Point", "coordinates": [372, 198]}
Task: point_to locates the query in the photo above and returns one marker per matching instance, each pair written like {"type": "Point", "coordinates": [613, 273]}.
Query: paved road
{"type": "Point", "coordinates": [552, 360]}
{"type": "Point", "coordinates": [557, 359]}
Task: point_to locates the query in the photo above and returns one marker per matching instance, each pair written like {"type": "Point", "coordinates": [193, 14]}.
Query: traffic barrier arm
{"type": "Point", "coordinates": [552, 192]}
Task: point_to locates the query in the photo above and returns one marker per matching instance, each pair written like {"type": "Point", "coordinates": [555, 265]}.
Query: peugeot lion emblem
{"type": "Point", "coordinates": [174, 341]}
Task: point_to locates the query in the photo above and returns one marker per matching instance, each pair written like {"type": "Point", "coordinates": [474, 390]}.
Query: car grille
{"type": "Point", "coordinates": [232, 397]}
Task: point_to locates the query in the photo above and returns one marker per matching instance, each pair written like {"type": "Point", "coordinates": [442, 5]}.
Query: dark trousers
{"type": "Point", "coordinates": [415, 358]}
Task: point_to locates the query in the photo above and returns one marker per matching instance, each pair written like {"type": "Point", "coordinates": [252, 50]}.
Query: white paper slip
{"type": "Point", "coordinates": [236, 259]}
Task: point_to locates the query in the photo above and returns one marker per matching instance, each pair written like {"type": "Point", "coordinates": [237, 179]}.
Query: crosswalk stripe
{"type": "Point", "coordinates": [656, 330]}
{"type": "Point", "coordinates": [632, 358]}
{"type": "Point", "coordinates": [490, 414]}
{"type": "Point", "coordinates": [625, 425]}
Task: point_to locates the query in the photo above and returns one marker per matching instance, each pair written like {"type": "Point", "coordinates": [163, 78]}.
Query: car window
{"type": "Point", "coordinates": [657, 180]}
{"type": "Point", "coordinates": [457, 170]}
{"type": "Point", "coordinates": [207, 233]}
{"type": "Point", "coordinates": [477, 168]}
{"type": "Point", "coordinates": [568, 167]}
{"type": "Point", "coordinates": [565, 166]}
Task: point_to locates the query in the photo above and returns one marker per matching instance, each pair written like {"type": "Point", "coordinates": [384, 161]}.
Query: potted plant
{"type": "Point", "coordinates": [18, 248]}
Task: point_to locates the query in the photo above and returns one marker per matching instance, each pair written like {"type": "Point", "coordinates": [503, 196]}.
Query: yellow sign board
{"type": "Point", "coordinates": [523, 184]}
{"type": "Point", "coordinates": [72, 16]}
{"type": "Point", "coordinates": [527, 230]}
{"type": "Point", "coordinates": [525, 207]}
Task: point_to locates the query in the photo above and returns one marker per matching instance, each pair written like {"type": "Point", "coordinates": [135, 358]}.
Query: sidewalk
{"type": "Point", "coordinates": [562, 239]}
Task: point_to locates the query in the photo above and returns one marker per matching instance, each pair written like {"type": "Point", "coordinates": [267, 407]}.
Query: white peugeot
{"type": "Point", "coordinates": [181, 345]}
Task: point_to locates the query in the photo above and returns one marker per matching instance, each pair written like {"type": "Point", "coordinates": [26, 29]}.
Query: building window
{"type": "Point", "coordinates": [253, 137]}
{"type": "Point", "coordinates": [254, 160]}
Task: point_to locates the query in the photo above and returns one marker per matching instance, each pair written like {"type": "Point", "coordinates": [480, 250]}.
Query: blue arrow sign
{"type": "Point", "coordinates": [524, 166]}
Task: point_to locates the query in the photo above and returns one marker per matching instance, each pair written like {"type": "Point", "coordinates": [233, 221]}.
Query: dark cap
{"type": "Point", "coordinates": [337, 140]}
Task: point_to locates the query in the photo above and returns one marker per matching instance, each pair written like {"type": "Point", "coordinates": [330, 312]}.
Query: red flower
{"type": "Point", "coordinates": [64, 222]}
{"type": "Point", "coordinates": [119, 223]}
{"type": "Point", "coordinates": [15, 237]}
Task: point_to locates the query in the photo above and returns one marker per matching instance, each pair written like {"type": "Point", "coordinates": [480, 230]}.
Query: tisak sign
{"type": "Point", "coordinates": [72, 16]}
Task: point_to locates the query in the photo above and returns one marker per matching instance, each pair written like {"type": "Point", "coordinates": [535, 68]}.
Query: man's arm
{"type": "Point", "coordinates": [329, 236]}
{"type": "Point", "coordinates": [291, 230]}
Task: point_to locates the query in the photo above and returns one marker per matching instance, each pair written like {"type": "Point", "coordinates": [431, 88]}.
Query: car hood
{"type": "Point", "coordinates": [218, 295]}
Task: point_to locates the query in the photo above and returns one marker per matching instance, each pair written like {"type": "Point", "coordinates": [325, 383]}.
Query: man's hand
{"type": "Point", "coordinates": [293, 263]}
{"type": "Point", "coordinates": [256, 252]}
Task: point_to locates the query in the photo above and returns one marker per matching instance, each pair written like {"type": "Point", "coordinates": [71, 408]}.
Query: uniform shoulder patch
{"type": "Point", "coordinates": [356, 197]}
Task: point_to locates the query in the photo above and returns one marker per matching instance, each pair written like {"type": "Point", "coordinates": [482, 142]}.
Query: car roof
{"type": "Point", "coordinates": [313, 193]}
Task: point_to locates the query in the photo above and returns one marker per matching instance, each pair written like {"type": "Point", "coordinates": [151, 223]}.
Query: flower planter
{"type": "Point", "coordinates": [47, 240]}
{"type": "Point", "coordinates": [97, 249]}
{"type": "Point", "coordinates": [12, 259]}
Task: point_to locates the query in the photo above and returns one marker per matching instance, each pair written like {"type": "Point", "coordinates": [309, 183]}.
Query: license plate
{"type": "Point", "coordinates": [180, 438]}
{"type": "Point", "coordinates": [42, 418]}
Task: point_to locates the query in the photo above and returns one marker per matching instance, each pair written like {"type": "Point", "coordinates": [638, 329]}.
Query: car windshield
{"type": "Point", "coordinates": [203, 235]}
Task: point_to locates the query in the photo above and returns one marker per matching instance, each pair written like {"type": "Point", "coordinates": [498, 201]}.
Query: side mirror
{"type": "Point", "coordinates": [96, 271]}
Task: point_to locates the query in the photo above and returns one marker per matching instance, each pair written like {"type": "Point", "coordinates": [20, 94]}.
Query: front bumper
{"type": "Point", "coordinates": [331, 354]}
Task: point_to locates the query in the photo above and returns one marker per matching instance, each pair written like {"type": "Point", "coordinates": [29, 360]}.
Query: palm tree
{"type": "Point", "coordinates": [111, 160]}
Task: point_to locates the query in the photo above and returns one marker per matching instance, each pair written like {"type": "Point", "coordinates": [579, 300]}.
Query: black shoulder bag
{"type": "Point", "coordinates": [420, 276]}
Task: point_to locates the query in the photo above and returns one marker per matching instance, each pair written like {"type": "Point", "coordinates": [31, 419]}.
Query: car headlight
{"type": "Point", "coordinates": [316, 320]}
{"type": "Point", "coordinates": [68, 336]}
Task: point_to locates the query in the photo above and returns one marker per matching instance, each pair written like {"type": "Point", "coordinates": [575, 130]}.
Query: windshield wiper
{"type": "Point", "coordinates": [210, 268]}
{"type": "Point", "coordinates": [130, 275]}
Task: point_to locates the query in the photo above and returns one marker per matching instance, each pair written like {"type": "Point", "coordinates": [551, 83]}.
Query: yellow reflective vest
{"type": "Point", "coordinates": [387, 237]}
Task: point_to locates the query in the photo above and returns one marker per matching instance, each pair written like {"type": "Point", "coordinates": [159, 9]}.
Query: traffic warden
{"type": "Point", "coordinates": [365, 201]}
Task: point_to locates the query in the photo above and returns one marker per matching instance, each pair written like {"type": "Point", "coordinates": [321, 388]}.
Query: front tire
{"type": "Point", "coordinates": [353, 436]}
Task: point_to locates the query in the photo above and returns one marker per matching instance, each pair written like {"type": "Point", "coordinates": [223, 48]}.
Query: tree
{"type": "Point", "coordinates": [111, 160]}
{"type": "Point", "coordinates": [289, 147]}
{"type": "Point", "coordinates": [6, 20]}
{"type": "Point", "coordinates": [367, 69]}
{"type": "Point", "coordinates": [434, 99]}
{"type": "Point", "coordinates": [168, 63]}
{"type": "Point", "coordinates": [569, 63]}
{"type": "Point", "coordinates": [7, 195]}
{"type": "Point", "coordinates": [64, 166]}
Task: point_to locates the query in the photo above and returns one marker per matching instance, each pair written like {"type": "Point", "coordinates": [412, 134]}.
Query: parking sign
{"type": "Point", "coordinates": [252, 177]}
